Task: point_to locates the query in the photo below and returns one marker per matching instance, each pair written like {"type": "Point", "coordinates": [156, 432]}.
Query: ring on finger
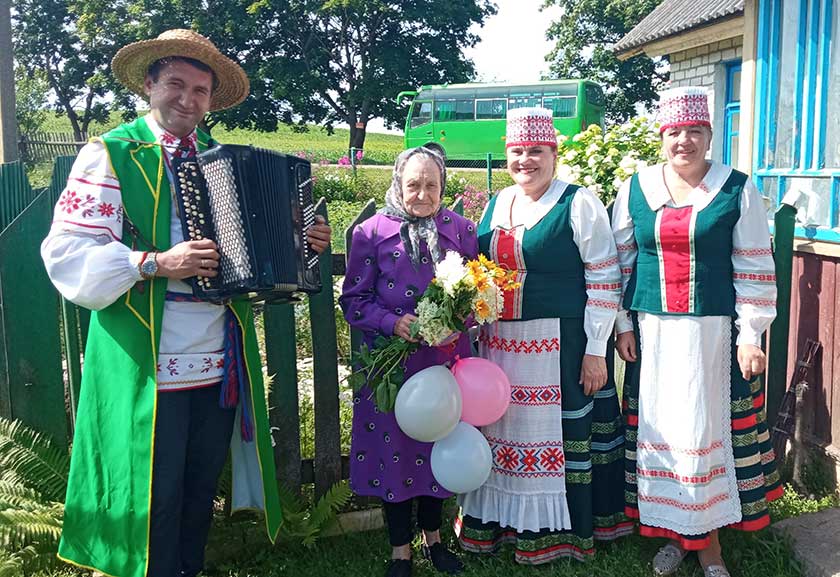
{"type": "Point", "coordinates": [204, 263]}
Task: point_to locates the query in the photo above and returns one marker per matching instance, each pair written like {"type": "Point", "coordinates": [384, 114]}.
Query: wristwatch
{"type": "Point", "coordinates": [148, 265]}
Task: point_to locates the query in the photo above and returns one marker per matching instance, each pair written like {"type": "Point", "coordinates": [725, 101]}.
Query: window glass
{"type": "Point", "coordinates": [561, 107]}
{"type": "Point", "coordinates": [523, 101]}
{"type": "Point", "coordinates": [732, 137]}
{"type": "Point", "coordinates": [594, 95]}
{"type": "Point", "coordinates": [489, 109]}
{"type": "Point", "coordinates": [782, 155]}
{"type": "Point", "coordinates": [444, 110]}
{"type": "Point", "coordinates": [832, 125]}
{"type": "Point", "coordinates": [815, 200]}
{"type": "Point", "coordinates": [422, 113]}
{"type": "Point", "coordinates": [465, 109]}
{"type": "Point", "coordinates": [769, 187]}
{"type": "Point", "coordinates": [735, 87]}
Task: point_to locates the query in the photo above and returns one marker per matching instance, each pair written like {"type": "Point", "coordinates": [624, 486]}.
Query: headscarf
{"type": "Point", "coordinates": [414, 228]}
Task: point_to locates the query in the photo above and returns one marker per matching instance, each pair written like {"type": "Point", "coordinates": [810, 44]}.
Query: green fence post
{"type": "Point", "coordinates": [780, 329]}
{"type": "Point", "coordinates": [490, 173]}
{"type": "Point", "coordinates": [325, 375]}
{"type": "Point", "coordinates": [283, 415]}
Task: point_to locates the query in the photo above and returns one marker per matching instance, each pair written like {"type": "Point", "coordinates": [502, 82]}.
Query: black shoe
{"type": "Point", "coordinates": [443, 560]}
{"type": "Point", "coordinates": [399, 568]}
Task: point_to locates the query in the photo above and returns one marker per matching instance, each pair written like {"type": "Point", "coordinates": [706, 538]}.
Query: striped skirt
{"type": "Point", "coordinates": [557, 478]}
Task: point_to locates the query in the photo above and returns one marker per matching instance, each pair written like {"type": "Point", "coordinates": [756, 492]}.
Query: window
{"type": "Point", "coordinates": [797, 143]}
{"type": "Point", "coordinates": [732, 113]}
{"type": "Point", "coordinates": [561, 106]}
{"type": "Point", "coordinates": [523, 101]}
{"type": "Point", "coordinates": [490, 109]}
{"type": "Point", "coordinates": [594, 95]}
{"type": "Point", "coordinates": [449, 110]}
{"type": "Point", "coordinates": [421, 113]}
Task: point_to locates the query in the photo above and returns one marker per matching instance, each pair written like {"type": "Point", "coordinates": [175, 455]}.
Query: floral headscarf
{"type": "Point", "coordinates": [414, 228]}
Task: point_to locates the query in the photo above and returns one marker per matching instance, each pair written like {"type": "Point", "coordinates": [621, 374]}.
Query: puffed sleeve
{"type": "Point", "coordinates": [592, 235]}
{"type": "Point", "coordinates": [83, 253]}
{"type": "Point", "coordinates": [754, 272]}
{"type": "Point", "coordinates": [358, 293]}
{"type": "Point", "coordinates": [623, 231]}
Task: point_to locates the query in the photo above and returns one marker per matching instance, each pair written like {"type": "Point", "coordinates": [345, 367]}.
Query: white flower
{"type": "Point", "coordinates": [578, 137]}
{"type": "Point", "coordinates": [628, 163]}
{"type": "Point", "coordinates": [588, 180]}
{"type": "Point", "coordinates": [432, 328]}
{"type": "Point", "coordinates": [592, 148]}
{"type": "Point", "coordinates": [450, 271]}
{"type": "Point", "coordinates": [594, 160]}
{"type": "Point", "coordinates": [570, 156]}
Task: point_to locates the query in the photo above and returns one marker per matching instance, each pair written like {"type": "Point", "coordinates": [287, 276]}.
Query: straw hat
{"type": "Point", "coordinates": [530, 127]}
{"type": "Point", "coordinates": [683, 106]}
{"type": "Point", "coordinates": [132, 62]}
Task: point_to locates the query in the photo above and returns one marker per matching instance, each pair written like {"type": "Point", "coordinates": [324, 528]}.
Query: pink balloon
{"type": "Point", "coordinates": [485, 390]}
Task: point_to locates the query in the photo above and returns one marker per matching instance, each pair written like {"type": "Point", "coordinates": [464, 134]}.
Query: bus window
{"type": "Point", "coordinates": [594, 95]}
{"type": "Point", "coordinates": [444, 110]}
{"type": "Point", "coordinates": [523, 101]}
{"type": "Point", "coordinates": [465, 109]}
{"type": "Point", "coordinates": [490, 109]}
{"type": "Point", "coordinates": [561, 106]}
{"type": "Point", "coordinates": [421, 113]}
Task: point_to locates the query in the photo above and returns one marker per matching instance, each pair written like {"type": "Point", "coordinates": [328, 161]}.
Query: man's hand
{"type": "Point", "coordinates": [403, 327]}
{"type": "Point", "coordinates": [625, 344]}
{"type": "Point", "coordinates": [319, 234]}
{"type": "Point", "coordinates": [751, 360]}
{"type": "Point", "coordinates": [593, 374]}
{"type": "Point", "coordinates": [189, 258]}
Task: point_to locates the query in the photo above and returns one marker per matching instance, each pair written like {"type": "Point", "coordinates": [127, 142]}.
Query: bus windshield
{"type": "Point", "coordinates": [467, 121]}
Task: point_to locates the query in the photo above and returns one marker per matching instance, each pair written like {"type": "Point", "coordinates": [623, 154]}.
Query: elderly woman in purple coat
{"type": "Point", "coordinates": [391, 263]}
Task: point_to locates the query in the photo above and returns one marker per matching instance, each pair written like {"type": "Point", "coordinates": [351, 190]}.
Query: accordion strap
{"type": "Point", "coordinates": [136, 235]}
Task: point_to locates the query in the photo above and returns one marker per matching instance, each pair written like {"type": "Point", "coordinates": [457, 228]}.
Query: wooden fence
{"type": "Point", "coordinates": [37, 147]}
{"type": "Point", "coordinates": [42, 337]}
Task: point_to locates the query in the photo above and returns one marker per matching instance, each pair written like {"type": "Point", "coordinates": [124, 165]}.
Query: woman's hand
{"type": "Point", "coordinates": [403, 327]}
{"type": "Point", "coordinates": [625, 344]}
{"type": "Point", "coordinates": [593, 374]}
{"type": "Point", "coordinates": [752, 361]}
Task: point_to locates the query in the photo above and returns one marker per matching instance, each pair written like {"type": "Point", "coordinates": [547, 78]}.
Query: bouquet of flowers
{"type": "Point", "coordinates": [458, 291]}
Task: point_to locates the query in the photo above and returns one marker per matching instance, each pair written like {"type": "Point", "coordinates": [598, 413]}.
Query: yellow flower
{"type": "Point", "coordinates": [480, 281]}
{"type": "Point", "coordinates": [482, 309]}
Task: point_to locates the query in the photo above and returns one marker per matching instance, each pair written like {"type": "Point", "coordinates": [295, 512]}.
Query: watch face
{"type": "Point", "coordinates": [149, 267]}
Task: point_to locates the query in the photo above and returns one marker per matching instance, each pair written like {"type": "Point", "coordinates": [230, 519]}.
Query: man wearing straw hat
{"type": "Point", "coordinates": [169, 383]}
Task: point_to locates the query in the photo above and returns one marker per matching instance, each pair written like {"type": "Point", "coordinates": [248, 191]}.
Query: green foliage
{"type": "Point", "coordinates": [584, 37]}
{"type": "Point", "coordinates": [304, 524]}
{"type": "Point", "coordinates": [31, 90]}
{"type": "Point", "coordinates": [792, 504]}
{"type": "Point", "coordinates": [33, 483]}
{"type": "Point", "coordinates": [601, 161]}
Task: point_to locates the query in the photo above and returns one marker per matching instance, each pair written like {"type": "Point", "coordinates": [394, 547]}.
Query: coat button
{"type": "Point", "coordinates": [505, 255]}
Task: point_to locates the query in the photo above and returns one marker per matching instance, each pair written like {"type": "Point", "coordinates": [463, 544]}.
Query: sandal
{"type": "Point", "coordinates": [715, 571]}
{"type": "Point", "coordinates": [668, 560]}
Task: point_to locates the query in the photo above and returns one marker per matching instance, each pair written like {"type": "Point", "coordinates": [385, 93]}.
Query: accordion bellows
{"type": "Point", "coordinates": [256, 205]}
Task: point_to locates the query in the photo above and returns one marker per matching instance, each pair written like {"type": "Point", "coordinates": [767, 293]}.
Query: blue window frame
{"type": "Point", "coordinates": [797, 125]}
{"type": "Point", "coordinates": [732, 112]}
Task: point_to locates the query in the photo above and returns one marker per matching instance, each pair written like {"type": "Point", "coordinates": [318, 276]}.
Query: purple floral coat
{"type": "Point", "coordinates": [380, 286]}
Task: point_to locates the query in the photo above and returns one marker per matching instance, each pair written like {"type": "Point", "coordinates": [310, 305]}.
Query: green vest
{"type": "Point", "coordinates": [106, 520]}
{"type": "Point", "coordinates": [711, 292]}
{"type": "Point", "coordinates": [554, 286]}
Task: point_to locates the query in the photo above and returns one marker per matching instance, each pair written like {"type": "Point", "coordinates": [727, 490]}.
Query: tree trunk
{"type": "Point", "coordinates": [357, 136]}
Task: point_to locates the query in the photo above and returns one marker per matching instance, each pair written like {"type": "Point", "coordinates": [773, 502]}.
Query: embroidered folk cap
{"type": "Point", "coordinates": [131, 63]}
{"type": "Point", "coordinates": [684, 106]}
{"type": "Point", "coordinates": [530, 127]}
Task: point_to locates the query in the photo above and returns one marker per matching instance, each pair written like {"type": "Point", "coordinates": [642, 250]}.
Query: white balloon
{"type": "Point", "coordinates": [428, 405]}
{"type": "Point", "coordinates": [461, 461]}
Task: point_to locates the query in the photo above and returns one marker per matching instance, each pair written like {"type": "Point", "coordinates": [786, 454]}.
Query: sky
{"type": "Point", "coordinates": [512, 46]}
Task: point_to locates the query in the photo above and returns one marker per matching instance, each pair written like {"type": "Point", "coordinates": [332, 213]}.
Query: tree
{"type": "Point", "coordinates": [46, 39]}
{"type": "Point", "coordinates": [30, 99]}
{"type": "Point", "coordinates": [584, 37]}
{"type": "Point", "coordinates": [346, 60]}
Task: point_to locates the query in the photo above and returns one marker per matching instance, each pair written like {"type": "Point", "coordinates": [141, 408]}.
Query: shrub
{"type": "Point", "coordinates": [601, 161]}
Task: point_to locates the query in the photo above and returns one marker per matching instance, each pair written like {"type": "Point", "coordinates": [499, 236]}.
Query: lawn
{"type": "Point", "coordinates": [238, 548]}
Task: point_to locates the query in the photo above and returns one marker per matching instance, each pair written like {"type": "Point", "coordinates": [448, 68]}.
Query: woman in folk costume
{"type": "Point", "coordinates": [390, 265]}
{"type": "Point", "coordinates": [557, 479]}
{"type": "Point", "coordinates": [699, 285]}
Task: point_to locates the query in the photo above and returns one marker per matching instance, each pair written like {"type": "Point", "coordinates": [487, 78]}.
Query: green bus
{"type": "Point", "coordinates": [467, 121]}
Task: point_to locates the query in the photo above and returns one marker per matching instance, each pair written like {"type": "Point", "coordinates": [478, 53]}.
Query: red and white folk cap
{"type": "Point", "coordinates": [530, 127]}
{"type": "Point", "coordinates": [684, 106]}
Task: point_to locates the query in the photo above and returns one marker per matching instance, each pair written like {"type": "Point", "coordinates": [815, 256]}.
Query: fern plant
{"type": "Point", "coordinates": [306, 525]}
{"type": "Point", "coordinates": [33, 484]}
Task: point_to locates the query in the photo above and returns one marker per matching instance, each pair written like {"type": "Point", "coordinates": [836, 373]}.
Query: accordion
{"type": "Point", "coordinates": [256, 205]}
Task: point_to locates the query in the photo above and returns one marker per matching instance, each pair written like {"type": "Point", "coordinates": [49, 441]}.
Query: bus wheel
{"type": "Point", "coordinates": [437, 148]}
